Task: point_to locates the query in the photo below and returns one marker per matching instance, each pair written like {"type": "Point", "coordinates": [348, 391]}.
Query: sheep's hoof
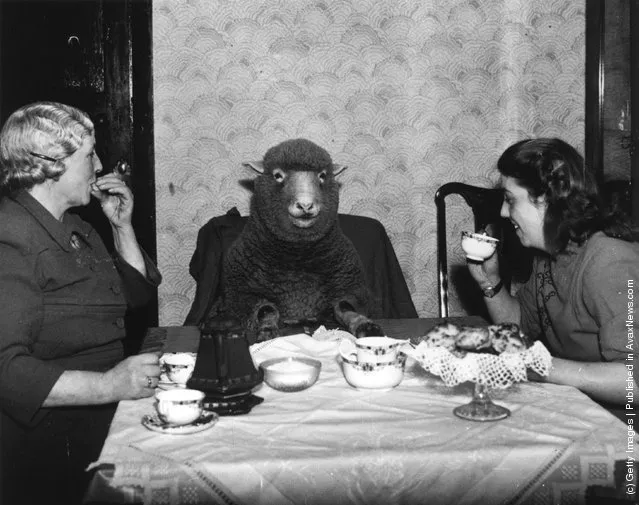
{"type": "Point", "coordinates": [267, 333]}
{"type": "Point", "coordinates": [369, 329]}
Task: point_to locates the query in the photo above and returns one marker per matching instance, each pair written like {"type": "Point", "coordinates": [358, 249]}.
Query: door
{"type": "Point", "coordinates": [94, 55]}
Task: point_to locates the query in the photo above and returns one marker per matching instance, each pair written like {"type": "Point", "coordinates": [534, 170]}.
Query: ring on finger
{"type": "Point", "coordinates": [149, 381]}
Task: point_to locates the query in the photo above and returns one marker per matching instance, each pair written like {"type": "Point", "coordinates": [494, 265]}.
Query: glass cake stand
{"type": "Point", "coordinates": [481, 407]}
{"type": "Point", "coordinates": [486, 371]}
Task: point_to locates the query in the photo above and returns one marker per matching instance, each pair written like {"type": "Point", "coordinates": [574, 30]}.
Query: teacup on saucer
{"type": "Point", "coordinates": [204, 422]}
{"type": "Point", "coordinates": [377, 349]}
{"type": "Point", "coordinates": [371, 350]}
{"type": "Point", "coordinates": [381, 376]}
{"type": "Point", "coordinates": [179, 406]}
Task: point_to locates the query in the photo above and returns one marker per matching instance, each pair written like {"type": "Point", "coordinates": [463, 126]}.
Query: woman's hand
{"type": "Point", "coordinates": [485, 273]}
{"type": "Point", "coordinates": [135, 377]}
{"type": "Point", "coordinates": [502, 307]}
{"type": "Point", "coordinates": [115, 198]}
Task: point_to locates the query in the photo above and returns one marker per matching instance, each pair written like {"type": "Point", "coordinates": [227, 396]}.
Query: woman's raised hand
{"type": "Point", "coordinates": [485, 273]}
{"type": "Point", "coordinates": [115, 198]}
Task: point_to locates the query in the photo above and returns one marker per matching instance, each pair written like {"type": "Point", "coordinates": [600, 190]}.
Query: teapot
{"type": "Point", "coordinates": [224, 369]}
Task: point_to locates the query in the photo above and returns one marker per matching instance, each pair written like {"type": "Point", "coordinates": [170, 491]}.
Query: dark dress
{"type": "Point", "coordinates": [63, 300]}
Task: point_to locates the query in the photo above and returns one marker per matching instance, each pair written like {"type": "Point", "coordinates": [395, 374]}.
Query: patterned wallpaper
{"type": "Point", "coordinates": [410, 94]}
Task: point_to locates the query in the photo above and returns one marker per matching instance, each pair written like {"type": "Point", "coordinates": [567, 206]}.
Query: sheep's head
{"type": "Point", "coordinates": [296, 195]}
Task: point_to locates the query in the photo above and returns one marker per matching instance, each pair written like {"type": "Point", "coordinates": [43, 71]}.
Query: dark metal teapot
{"type": "Point", "coordinates": [224, 369]}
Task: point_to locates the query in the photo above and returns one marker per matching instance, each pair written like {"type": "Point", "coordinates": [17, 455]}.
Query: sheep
{"type": "Point", "coordinates": [291, 264]}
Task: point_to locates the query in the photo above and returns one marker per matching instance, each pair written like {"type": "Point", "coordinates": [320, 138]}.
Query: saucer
{"type": "Point", "coordinates": [204, 422]}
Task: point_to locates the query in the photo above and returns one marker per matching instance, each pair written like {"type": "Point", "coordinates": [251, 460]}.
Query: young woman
{"type": "Point", "coordinates": [577, 298]}
{"type": "Point", "coordinates": [62, 305]}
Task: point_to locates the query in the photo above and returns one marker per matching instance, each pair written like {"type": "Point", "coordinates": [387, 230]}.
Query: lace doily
{"type": "Point", "coordinates": [323, 334]}
{"type": "Point", "coordinates": [495, 371]}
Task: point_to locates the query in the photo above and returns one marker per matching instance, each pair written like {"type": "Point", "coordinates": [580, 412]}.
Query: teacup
{"type": "Point", "coordinates": [478, 246]}
{"type": "Point", "coordinates": [380, 376]}
{"type": "Point", "coordinates": [179, 367]}
{"type": "Point", "coordinates": [179, 406]}
{"type": "Point", "coordinates": [376, 350]}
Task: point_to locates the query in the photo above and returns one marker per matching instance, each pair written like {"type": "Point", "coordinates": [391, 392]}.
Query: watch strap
{"type": "Point", "coordinates": [491, 291]}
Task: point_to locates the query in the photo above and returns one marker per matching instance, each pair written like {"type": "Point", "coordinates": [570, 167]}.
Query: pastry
{"type": "Point", "coordinates": [506, 337]}
{"type": "Point", "coordinates": [442, 335]}
{"type": "Point", "coordinates": [494, 339]}
{"type": "Point", "coordinates": [473, 338]}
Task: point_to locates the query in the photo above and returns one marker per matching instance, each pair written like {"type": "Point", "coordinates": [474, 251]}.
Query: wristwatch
{"type": "Point", "coordinates": [491, 291]}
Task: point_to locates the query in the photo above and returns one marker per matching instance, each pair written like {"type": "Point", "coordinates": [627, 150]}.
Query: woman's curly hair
{"type": "Point", "coordinates": [34, 141]}
{"type": "Point", "coordinates": [553, 169]}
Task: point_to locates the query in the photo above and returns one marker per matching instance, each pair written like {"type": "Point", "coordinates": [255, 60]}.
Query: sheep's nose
{"type": "Point", "coordinates": [305, 205]}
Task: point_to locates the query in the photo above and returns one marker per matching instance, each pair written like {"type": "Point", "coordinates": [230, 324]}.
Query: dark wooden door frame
{"type": "Point", "coordinates": [129, 115]}
{"type": "Point", "coordinates": [129, 90]}
{"type": "Point", "coordinates": [132, 112]}
{"type": "Point", "coordinates": [595, 52]}
{"type": "Point", "coordinates": [595, 87]}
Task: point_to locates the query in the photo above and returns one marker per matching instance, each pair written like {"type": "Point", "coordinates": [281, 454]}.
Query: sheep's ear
{"type": "Point", "coordinates": [338, 169]}
{"type": "Point", "coordinates": [258, 166]}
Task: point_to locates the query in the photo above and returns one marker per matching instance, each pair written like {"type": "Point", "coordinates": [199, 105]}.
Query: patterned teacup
{"type": "Point", "coordinates": [179, 367]}
{"type": "Point", "coordinates": [179, 406]}
{"type": "Point", "coordinates": [376, 349]}
{"type": "Point", "coordinates": [478, 246]}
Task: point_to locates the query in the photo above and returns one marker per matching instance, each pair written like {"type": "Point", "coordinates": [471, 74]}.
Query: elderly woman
{"type": "Point", "coordinates": [62, 303]}
{"type": "Point", "coordinates": [576, 300]}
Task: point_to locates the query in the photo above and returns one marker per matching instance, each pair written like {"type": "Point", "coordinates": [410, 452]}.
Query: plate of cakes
{"type": "Point", "coordinates": [497, 355]}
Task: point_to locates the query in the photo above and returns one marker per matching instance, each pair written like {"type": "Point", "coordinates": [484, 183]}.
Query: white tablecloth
{"type": "Point", "coordinates": [333, 444]}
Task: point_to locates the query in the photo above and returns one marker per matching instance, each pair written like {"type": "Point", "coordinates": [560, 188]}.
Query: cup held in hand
{"type": "Point", "coordinates": [179, 367]}
{"type": "Point", "coordinates": [478, 246]}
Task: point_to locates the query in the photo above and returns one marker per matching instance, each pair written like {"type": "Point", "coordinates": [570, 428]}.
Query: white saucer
{"type": "Point", "coordinates": [205, 421]}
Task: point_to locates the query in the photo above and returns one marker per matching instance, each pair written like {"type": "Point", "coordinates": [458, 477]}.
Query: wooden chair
{"type": "Point", "coordinates": [485, 204]}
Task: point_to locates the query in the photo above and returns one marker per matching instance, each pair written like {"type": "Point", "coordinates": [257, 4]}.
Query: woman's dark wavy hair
{"type": "Point", "coordinates": [551, 168]}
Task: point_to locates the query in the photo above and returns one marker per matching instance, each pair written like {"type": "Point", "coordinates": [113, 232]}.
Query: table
{"type": "Point", "coordinates": [333, 444]}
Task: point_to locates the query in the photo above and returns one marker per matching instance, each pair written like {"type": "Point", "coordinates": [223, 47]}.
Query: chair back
{"type": "Point", "coordinates": [485, 204]}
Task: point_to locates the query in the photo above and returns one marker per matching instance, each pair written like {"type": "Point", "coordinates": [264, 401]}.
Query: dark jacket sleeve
{"type": "Point", "coordinates": [138, 289]}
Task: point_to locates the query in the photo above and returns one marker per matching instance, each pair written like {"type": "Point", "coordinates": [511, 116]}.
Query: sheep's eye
{"type": "Point", "coordinates": [322, 176]}
{"type": "Point", "coordinates": [278, 175]}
